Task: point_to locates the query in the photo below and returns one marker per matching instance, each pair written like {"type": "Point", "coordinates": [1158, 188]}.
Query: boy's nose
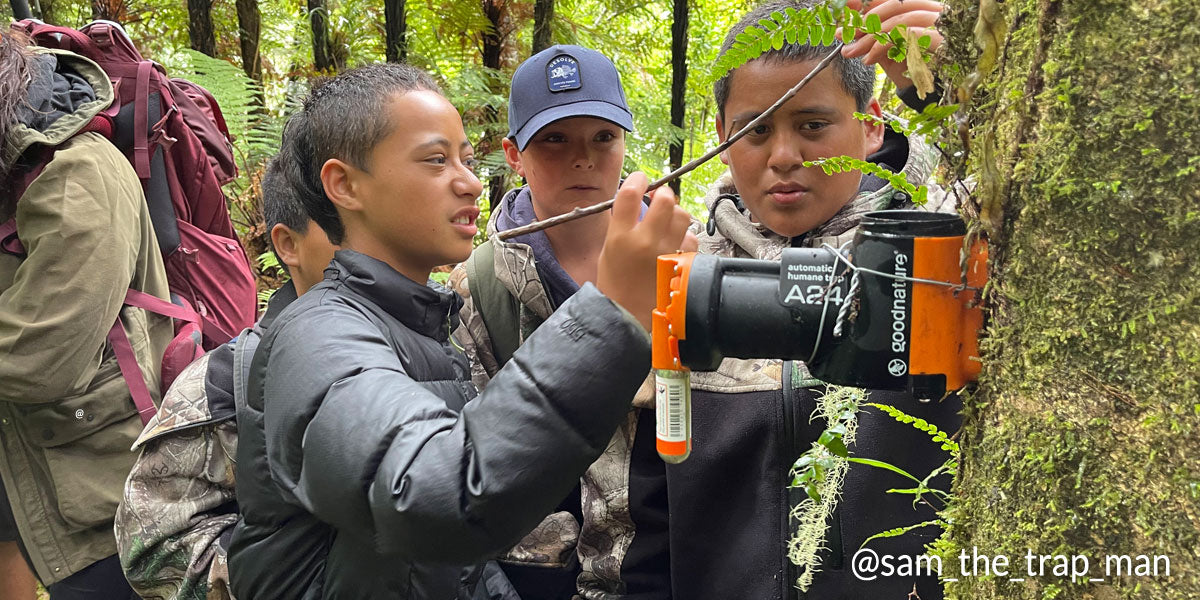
{"type": "Point", "coordinates": [583, 159]}
{"type": "Point", "coordinates": [785, 154]}
{"type": "Point", "coordinates": [468, 185]}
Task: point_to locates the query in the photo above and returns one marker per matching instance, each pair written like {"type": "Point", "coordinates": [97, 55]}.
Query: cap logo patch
{"type": "Point", "coordinates": [562, 74]}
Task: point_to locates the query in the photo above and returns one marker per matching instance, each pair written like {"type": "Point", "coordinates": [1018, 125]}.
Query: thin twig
{"type": "Point", "coordinates": [607, 204]}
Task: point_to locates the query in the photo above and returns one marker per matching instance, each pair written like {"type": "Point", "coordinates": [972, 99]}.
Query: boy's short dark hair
{"type": "Point", "coordinates": [344, 117]}
{"type": "Point", "coordinates": [280, 202]}
{"type": "Point", "coordinates": [857, 79]}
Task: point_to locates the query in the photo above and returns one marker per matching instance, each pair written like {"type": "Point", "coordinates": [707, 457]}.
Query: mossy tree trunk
{"type": "Point", "coordinates": [1083, 437]}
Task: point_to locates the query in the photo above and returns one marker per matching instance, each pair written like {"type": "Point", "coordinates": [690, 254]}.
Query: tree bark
{"type": "Point", "coordinates": [543, 16]}
{"type": "Point", "coordinates": [395, 25]}
{"type": "Point", "coordinates": [200, 27]}
{"type": "Point", "coordinates": [318, 16]}
{"type": "Point", "coordinates": [492, 45]}
{"type": "Point", "coordinates": [249, 24]}
{"type": "Point", "coordinates": [679, 39]}
{"type": "Point", "coordinates": [1083, 437]}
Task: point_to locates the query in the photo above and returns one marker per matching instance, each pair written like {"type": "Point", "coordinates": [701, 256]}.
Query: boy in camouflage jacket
{"type": "Point", "coordinates": [179, 509]}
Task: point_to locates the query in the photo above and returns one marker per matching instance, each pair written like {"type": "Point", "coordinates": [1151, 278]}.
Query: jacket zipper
{"type": "Point", "coordinates": [788, 450]}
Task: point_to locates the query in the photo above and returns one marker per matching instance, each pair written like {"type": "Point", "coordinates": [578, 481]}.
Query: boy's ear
{"type": "Point", "coordinates": [512, 156]}
{"type": "Point", "coordinates": [873, 130]}
{"type": "Point", "coordinates": [721, 137]}
{"type": "Point", "coordinates": [339, 179]}
{"type": "Point", "coordinates": [283, 239]}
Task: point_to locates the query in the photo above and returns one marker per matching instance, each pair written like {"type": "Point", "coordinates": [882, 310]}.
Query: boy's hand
{"type": "Point", "coordinates": [919, 16]}
{"type": "Point", "coordinates": [628, 261]}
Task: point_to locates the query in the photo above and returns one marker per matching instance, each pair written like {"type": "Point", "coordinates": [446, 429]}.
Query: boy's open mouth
{"type": "Point", "coordinates": [465, 220]}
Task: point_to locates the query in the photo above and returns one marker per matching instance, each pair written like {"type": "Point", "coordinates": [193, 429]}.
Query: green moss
{"type": "Point", "coordinates": [1082, 437]}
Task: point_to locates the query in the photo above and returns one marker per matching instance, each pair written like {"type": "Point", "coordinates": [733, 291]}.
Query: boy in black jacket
{"type": "Point", "coordinates": [174, 524]}
{"type": "Point", "coordinates": [365, 471]}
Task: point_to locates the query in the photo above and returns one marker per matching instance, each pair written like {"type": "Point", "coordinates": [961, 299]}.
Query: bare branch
{"type": "Point", "coordinates": [603, 206]}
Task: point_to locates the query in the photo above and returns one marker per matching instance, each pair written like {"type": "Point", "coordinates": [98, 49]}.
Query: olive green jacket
{"type": "Point", "coordinates": [67, 421]}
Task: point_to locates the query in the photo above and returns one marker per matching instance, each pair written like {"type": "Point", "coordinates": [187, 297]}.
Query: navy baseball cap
{"type": "Point", "coordinates": [561, 82]}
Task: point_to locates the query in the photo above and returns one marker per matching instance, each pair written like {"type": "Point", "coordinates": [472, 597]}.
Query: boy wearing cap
{"type": "Point", "coordinates": [567, 122]}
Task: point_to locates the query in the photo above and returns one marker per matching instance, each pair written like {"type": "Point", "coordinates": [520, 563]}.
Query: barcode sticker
{"type": "Point", "coordinates": [671, 408]}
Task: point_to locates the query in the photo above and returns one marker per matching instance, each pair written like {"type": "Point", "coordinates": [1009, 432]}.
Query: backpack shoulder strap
{"type": "Point", "coordinates": [496, 305]}
{"type": "Point", "coordinates": [243, 352]}
{"type": "Point", "coordinates": [9, 242]}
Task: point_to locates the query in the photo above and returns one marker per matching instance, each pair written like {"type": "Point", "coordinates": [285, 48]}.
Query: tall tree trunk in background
{"type": "Point", "coordinates": [113, 10]}
{"type": "Point", "coordinates": [318, 16]}
{"type": "Point", "coordinates": [21, 10]}
{"type": "Point", "coordinates": [1083, 437]}
{"type": "Point", "coordinates": [249, 24]}
{"type": "Point", "coordinates": [543, 15]}
{"type": "Point", "coordinates": [48, 11]}
{"type": "Point", "coordinates": [394, 23]}
{"type": "Point", "coordinates": [200, 27]}
{"type": "Point", "coordinates": [679, 39]}
{"type": "Point", "coordinates": [490, 49]}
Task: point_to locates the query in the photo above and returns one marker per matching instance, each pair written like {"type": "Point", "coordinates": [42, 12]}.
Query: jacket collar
{"type": "Point", "coordinates": [64, 102]}
{"type": "Point", "coordinates": [429, 310]}
{"type": "Point", "coordinates": [282, 297]}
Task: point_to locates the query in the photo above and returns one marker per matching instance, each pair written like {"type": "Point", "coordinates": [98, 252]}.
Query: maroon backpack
{"type": "Point", "coordinates": [173, 133]}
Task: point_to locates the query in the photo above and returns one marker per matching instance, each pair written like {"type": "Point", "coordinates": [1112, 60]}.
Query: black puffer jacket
{"type": "Point", "coordinates": [363, 471]}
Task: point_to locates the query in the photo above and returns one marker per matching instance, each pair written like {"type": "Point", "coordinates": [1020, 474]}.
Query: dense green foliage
{"type": "Point", "coordinates": [445, 38]}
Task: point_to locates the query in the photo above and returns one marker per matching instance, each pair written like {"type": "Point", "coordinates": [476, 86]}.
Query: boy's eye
{"type": "Point", "coordinates": [606, 136]}
{"type": "Point", "coordinates": [555, 138]}
{"type": "Point", "coordinates": [761, 129]}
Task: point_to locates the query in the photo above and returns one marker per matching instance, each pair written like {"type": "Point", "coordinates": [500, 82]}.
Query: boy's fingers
{"type": "Point", "coordinates": [691, 243]}
{"type": "Point", "coordinates": [878, 52]}
{"type": "Point", "coordinates": [628, 201]}
{"type": "Point", "coordinates": [913, 19]}
{"type": "Point", "coordinates": [658, 216]}
{"type": "Point", "coordinates": [891, 8]}
{"type": "Point", "coordinates": [680, 221]}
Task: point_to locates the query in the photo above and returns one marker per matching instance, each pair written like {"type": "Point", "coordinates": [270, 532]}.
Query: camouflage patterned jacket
{"type": "Point", "coordinates": [174, 525]}
{"type": "Point", "coordinates": [179, 499]}
{"type": "Point", "coordinates": [558, 541]}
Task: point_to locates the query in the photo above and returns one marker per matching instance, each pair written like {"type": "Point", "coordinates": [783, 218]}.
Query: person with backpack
{"type": "Point", "coordinates": [368, 467]}
{"type": "Point", "coordinates": [174, 525]}
{"type": "Point", "coordinates": [77, 237]}
{"type": "Point", "coordinates": [567, 122]}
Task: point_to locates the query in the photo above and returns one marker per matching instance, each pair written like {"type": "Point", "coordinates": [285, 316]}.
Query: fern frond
{"type": "Point", "coordinates": [841, 164]}
{"type": "Point", "coordinates": [939, 436]}
{"type": "Point", "coordinates": [898, 531]}
{"type": "Point", "coordinates": [814, 26]}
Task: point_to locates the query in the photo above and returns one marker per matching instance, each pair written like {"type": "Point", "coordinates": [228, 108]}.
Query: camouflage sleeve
{"type": "Point", "coordinates": [608, 528]}
{"type": "Point", "coordinates": [471, 334]}
{"type": "Point", "coordinates": [179, 501]}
